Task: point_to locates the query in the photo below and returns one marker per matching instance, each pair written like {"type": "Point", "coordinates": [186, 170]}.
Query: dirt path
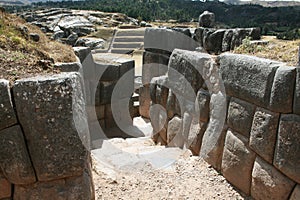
{"type": "Point", "coordinates": [188, 178]}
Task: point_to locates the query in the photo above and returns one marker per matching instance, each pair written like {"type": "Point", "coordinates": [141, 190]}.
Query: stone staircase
{"type": "Point", "coordinates": [126, 41]}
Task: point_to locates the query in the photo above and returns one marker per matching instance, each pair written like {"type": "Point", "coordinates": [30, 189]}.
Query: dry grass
{"type": "Point", "coordinates": [280, 50]}
{"type": "Point", "coordinates": [22, 57]}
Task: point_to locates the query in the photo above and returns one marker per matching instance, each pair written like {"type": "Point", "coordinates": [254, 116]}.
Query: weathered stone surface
{"type": "Point", "coordinates": [5, 191]}
{"type": "Point", "coordinates": [68, 67]}
{"type": "Point", "coordinates": [207, 19]}
{"type": "Point", "coordinates": [79, 187]}
{"type": "Point", "coordinates": [226, 42]}
{"type": "Point", "coordinates": [282, 92]}
{"type": "Point", "coordinates": [202, 105]}
{"type": "Point", "coordinates": [199, 35]}
{"type": "Point", "coordinates": [240, 115]}
{"type": "Point", "coordinates": [162, 91]}
{"type": "Point", "coordinates": [106, 90]}
{"type": "Point", "coordinates": [7, 114]}
{"type": "Point", "coordinates": [14, 159]}
{"type": "Point", "coordinates": [296, 193]}
{"type": "Point", "coordinates": [163, 39]}
{"type": "Point", "coordinates": [237, 161]}
{"type": "Point", "coordinates": [197, 131]}
{"type": "Point", "coordinates": [287, 152]}
{"type": "Point", "coordinates": [296, 106]}
{"type": "Point", "coordinates": [247, 77]}
{"type": "Point", "coordinates": [263, 133]}
{"type": "Point", "coordinates": [109, 118]}
{"type": "Point", "coordinates": [213, 138]}
{"type": "Point", "coordinates": [185, 72]}
{"type": "Point", "coordinates": [52, 113]}
{"type": "Point", "coordinates": [174, 131]}
{"type": "Point", "coordinates": [238, 35]}
{"type": "Point", "coordinates": [144, 100]}
{"type": "Point", "coordinates": [82, 52]}
{"type": "Point", "coordinates": [100, 111]}
{"type": "Point", "coordinates": [269, 183]}
{"type": "Point", "coordinates": [93, 43]}
{"type": "Point", "coordinates": [154, 64]}
{"type": "Point", "coordinates": [213, 41]}
{"type": "Point", "coordinates": [159, 121]}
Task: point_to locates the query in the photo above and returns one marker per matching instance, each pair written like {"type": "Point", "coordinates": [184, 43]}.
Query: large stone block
{"type": "Point", "coordinates": [162, 91]}
{"type": "Point", "coordinates": [240, 115]}
{"type": "Point", "coordinates": [51, 110]}
{"type": "Point", "coordinates": [14, 159]}
{"type": "Point", "coordinates": [78, 187]}
{"type": "Point", "coordinates": [269, 183]}
{"type": "Point", "coordinates": [237, 161]}
{"type": "Point", "coordinates": [247, 77]}
{"type": "Point", "coordinates": [287, 152]}
{"type": "Point", "coordinates": [197, 131]}
{"type": "Point", "coordinates": [226, 42]}
{"type": "Point", "coordinates": [213, 42]}
{"type": "Point", "coordinates": [174, 131]}
{"type": "Point", "coordinates": [185, 72]}
{"type": "Point", "coordinates": [167, 40]}
{"type": "Point", "coordinates": [282, 92]}
{"type": "Point", "coordinates": [106, 91]}
{"type": "Point", "coordinates": [6, 188]}
{"type": "Point", "coordinates": [296, 193]}
{"type": "Point", "coordinates": [7, 114]}
{"type": "Point", "coordinates": [154, 65]}
{"type": "Point", "coordinates": [199, 35]}
{"type": "Point", "coordinates": [296, 106]}
{"type": "Point", "coordinates": [263, 133]}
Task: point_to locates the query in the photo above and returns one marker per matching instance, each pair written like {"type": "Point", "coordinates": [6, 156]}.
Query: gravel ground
{"type": "Point", "coordinates": [188, 178]}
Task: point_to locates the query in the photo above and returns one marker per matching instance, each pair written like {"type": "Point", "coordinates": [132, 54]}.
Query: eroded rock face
{"type": "Point", "coordinates": [48, 108]}
{"type": "Point", "coordinates": [207, 19]}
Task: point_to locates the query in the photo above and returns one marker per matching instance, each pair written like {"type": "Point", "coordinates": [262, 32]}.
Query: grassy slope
{"type": "Point", "coordinates": [22, 57]}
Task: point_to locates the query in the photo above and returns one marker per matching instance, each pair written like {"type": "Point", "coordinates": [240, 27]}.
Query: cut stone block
{"type": "Point", "coordinates": [144, 100]}
{"type": "Point", "coordinates": [240, 115]}
{"type": "Point", "coordinates": [263, 133]}
{"type": "Point", "coordinates": [248, 77]}
{"type": "Point", "coordinates": [106, 90]}
{"type": "Point", "coordinates": [51, 110]}
{"type": "Point", "coordinates": [237, 161]}
{"type": "Point", "coordinates": [78, 187]}
{"type": "Point", "coordinates": [282, 92]}
{"type": "Point", "coordinates": [7, 114]}
{"type": "Point", "coordinates": [269, 183]}
{"type": "Point", "coordinates": [14, 158]}
{"type": "Point", "coordinates": [287, 152]}
{"type": "Point", "coordinates": [202, 105]}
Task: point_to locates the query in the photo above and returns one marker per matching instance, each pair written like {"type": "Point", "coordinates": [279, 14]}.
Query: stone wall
{"type": "Point", "coordinates": [44, 139]}
{"type": "Point", "coordinates": [240, 113]}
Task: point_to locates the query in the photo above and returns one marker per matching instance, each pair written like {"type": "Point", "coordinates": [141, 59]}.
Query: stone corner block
{"type": "Point", "coordinates": [51, 110]}
{"type": "Point", "coordinates": [282, 92]}
{"type": "Point", "coordinates": [237, 161]}
{"type": "Point", "coordinates": [287, 151]}
{"type": "Point", "coordinates": [263, 133]}
{"type": "Point", "coordinates": [7, 114]}
{"type": "Point", "coordinates": [269, 183]}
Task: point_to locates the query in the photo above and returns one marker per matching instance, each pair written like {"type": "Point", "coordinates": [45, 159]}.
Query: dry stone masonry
{"type": "Point", "coordinates": [42, 153]}
{"type": "Point", "coordinates": [242, 117]}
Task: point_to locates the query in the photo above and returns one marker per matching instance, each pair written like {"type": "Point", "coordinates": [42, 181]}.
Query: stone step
{"type": "Point", "coordinates": [131, 32]}
{"type": "Point", "coordinates": [127, 45]}
{"type": "Point", "coordinates": [129, 39]}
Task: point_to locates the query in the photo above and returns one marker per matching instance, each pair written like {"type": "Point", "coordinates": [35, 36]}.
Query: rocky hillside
{"type": "Point", "coordinates": [25, 50]}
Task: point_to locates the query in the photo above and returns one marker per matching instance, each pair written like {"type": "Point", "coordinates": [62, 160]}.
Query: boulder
{"type": "Point", "coordinates": [14, 158]}
{"type": "Point", "coordinates": [240, 115]}
{"type": "Point", "coordinates": [207, 19]}
{"type": "Point", "coordinates": [34, 37]}
{"type": "Point", "coordinates": [71, 39]}
{"type": "Point", "coordinates": [263, 133]}
{"type": "Point", "coordinates": [237, 161]}
{"type": "Point", "coordinates": [51, 110]}
{"type": "Point", "coordinates": [7, 113]}
{"type": "Point", "coordinates": [286, 157]}
{"type": "Point", "coordinates": [58, 35]}
{"type": "Point", "coordinates": [269, 183]}
{"type": "Point", "coordinates": [213, 41]}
